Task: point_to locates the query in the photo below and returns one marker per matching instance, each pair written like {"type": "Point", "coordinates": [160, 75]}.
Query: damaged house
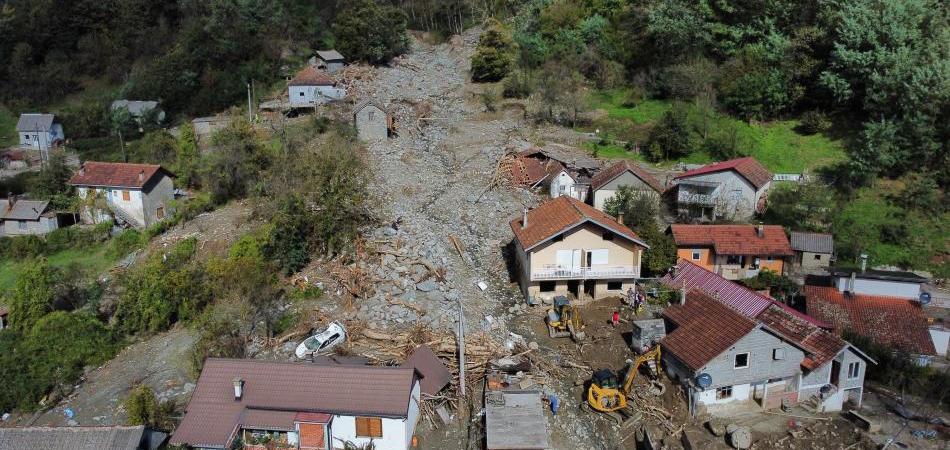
{"type": "Point", "coordinates": [558, 168]}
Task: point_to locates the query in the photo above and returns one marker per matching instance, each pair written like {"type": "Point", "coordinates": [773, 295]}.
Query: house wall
{"type": "Point", "coordinates": [608, 190]}
{"type": "Point", "coordinates": [140, 206]}
{"type": "Point", "coordinates": [333, 67]}
{"type": "Point", "coordinates": [620, 251]}
{"type": "Point", "coordinates": [740, 392]}
{"type": "Point", "coordinates": [397, 433]}
{"type": "Point", "coordinates": [313, 95]}
{"type": "Point", "coordinates": [762, 365]}
{"type": "Point", "coordinates": [941, 339]}
{"type": "Point", "coordinates": [371, 124]}
{"type": "Point", "coordinates": [879, 287]}
{"type": "Point", "coordinates": [812, 261]}
{"type": "Point", "coordinates": [42, 226]}
{"type": "Point", "coordinates": [706, 257]}
{"type": "Point", "coordinates": [563, 184]}
{"type": "Point", "coordinates": [156, 196]}
{"type": "Point", "coordinates": [736, 197]}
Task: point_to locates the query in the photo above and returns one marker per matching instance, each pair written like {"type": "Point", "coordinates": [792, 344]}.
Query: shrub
{"type": "Point", "coordinates": [33, 294]}
{"type": "Point", "coordinates": [494, 55]}
{"type": "Point", "coordinates": [27, 247]}
{"type": "Point", "coordinates": [125, 243]}
{"type": "Point", "coordinates": [813, 122]}
{"type": "Point", "coordinates": [143, 408]}
{"type": "Point", "coordinates": [671, 137]}
{"type": "Point", "coordinates": [517, 85]}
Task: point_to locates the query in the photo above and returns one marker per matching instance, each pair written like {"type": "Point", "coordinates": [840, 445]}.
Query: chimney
{"type": "Point", "coordinates": [524, 219]}
{"type": "Point", "coordinates": [683, 295]}
{"type": "Point", "coordinates": [864, 262]}
{"type": "Point", "coordinates": [760, 231]}
{"type": "Point", "coordinates": [620, 218]}
{"type": "Point", "coordinates": [141, 176]}
{"type": "Point", "coordinates": [238, 388]}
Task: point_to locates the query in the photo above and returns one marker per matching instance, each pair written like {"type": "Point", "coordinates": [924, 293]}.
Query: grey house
{"type": "Point", "coordinates": [373, 121]}
{"type": "Point", "coordinates": [39, 131]}
{"type": "Point", "coordinates": [140, 109]}
{"type": "Point", "coordinates": [731, 190]}
{"type": "Point", "coordinates": [329, 60]}
{"type": "Point", "coordinates": [21, 217]}
{"type": "Point", "coordinates": [812, 250]}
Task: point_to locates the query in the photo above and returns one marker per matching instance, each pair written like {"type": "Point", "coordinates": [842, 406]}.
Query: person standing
{"type": "Point", "coordinates": [615, 318]}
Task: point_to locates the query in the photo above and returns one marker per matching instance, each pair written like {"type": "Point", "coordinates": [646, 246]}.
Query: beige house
{"type": "Point", "coordinates": [566, 247]}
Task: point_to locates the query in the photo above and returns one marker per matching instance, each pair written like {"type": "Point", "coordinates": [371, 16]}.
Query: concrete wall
{"type": "Point", "coordinates": [371, 124]}
{"type": "Point", "coordinates": [812, 261]}
{"type": "Point", "coordinates": [39, 227]}
{"type": "Point", "coordinates": [333, 67]}
{"type": "Point", "coordinates": [941, 338]}
{"type": "Point", "coordinates": [608, 190]}
{"type": "Point", "coordinates": [620, 251]}
{"type": "Point", "coordinates": [313, 95]}
{"type": "Point", "coordinates": [760, 345]}
{"type": "Point", "coordinates": [879, 287]}
{"type": "Point", "coordinates": [141, 206]}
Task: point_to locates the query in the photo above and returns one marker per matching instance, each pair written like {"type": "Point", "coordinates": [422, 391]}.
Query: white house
{"type": "Point", "coordinates": [19, 217]}
{"type": "Point", "coordinates": [39, 131]}
{"type": "Point", "coordinates": [300, 405]}
{"type": "Point", "coordinates": [731, 190]}
{"type": "Point", "coordinates": [311, 87]}
{"type": "Point", "coordinates": [137, 195]}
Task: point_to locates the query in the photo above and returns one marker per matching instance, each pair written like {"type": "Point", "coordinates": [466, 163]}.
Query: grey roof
{"type": "Point", "coordinates": [136, 107]}
{"type": "Point", "coordinates": [35, 122]}
{"type": "Point", "coordinates": [812, 242]}
{"type": "Point", "coordinates": [367, 102]}
{"type": "Point", "coordinates": [884, 275]}
{"type": "Point", "coordinates": [515, 420]}
{"type": "Point", "coordinates": [329, 55]}
{"type": "Point", "coordinates": [23, 209]}
{"type": "Point", "coordinates": [72, 438]}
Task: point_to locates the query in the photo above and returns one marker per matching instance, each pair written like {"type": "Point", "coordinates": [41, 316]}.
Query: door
{"type": "Point", "coordinates": [835, 372]}
{"type": "Point", "coordinates": [576, 260]}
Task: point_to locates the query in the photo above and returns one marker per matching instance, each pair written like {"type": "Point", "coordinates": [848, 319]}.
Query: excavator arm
{"type": "Point", "coordinates": [634, 370]}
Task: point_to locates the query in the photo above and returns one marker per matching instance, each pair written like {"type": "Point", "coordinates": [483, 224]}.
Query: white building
{"type": "Point", "coordinates": [40, 131]}
{"type": "Point", "coordinates": [605, 184]}
{"type": "Point", "coordinates": [731, 190]}
{"type": "Point", "coordinates": [312, 87]}
{"type": "Point", "coordinates": [137, 195]}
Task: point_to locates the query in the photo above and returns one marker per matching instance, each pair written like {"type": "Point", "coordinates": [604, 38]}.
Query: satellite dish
{"type": "Point", "coordinates": [704, 380]}
{"type": "Point", "coordinates": [924, 298]}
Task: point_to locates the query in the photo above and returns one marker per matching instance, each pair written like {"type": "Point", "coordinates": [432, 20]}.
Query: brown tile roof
{"type": "Point", "coordinates": [733, 239]}
{"type": "Point", "coordinates": [556, 216]}
{"type": "Point", "coordinates": [525, 171]}
{"type": "Point", "coordinates": [115, 174]}
{"type": "Point", "coordinates": [268, 419]}
{"type": "Point", "coordinates": [820, 346]}
{"type": "Point", "coordinates": [310, 76]}
{"type": "Point", "coordinates": [213, 414]}
{"type": "Point", "coordinates": [609, 174]}
{"type": "Point", "coordinates": [748, 167]}
{"type": "Point", "coordinates": [892, 321]}
{"type": "Point", "coordinates": [435, 375]}
{"type": "Point", "coordinates": [705, 327]}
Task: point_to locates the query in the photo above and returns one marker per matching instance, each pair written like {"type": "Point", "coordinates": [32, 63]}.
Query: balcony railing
{"type": "Point", "coordinates": [582, 273]}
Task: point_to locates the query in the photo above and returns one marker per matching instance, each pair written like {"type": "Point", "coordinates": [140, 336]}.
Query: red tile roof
{"type": "Point", "coordinates": [109, 174]}
{"type": "Point", "coordinates": [556, 216]}
{"type": "Point", "coordinates": [734, 239]}
{"type": "Point", "coordinates": [526, 171]}
{"type": "Point", "coordinates": [892, 321]}
{"type": "Point", "coordinates": [704, 329]}
{"type": "Point", "coordinates": [312, 417]}
{"type": "Point", "coordinates": [609, 174]}
{"type": "Point", "coordinates": [310, 76]}
{"type": "Point", "coordinates": [747, 167]}
{"type": "Point", "coordinates": [213, 414]}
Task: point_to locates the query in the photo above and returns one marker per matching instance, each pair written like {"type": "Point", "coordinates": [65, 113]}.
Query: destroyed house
{"type": "Point", "coordinates": [565, 247]}
{"type": "Point", "coordinates": [562, 169]}
{"type": "Point", "coordinates": [249, 404]}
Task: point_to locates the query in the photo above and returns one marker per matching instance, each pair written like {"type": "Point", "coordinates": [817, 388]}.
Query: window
{"type": "Point", "coordinates": [817, 257]}
{"type": "Point", "coordinates": [608, 236]}
{"type": "Point", "coordinates": [301, 94]}
{"type": "Point", "coordinates": [21, 224]}
{"type": "Point", "coordinates": [547, 286]}
{"type": "Point", "coordinates": [854, 370]}
{"type": "Point", "coordinates": [371, 427]}
{"type": "Point", "coordinates": [615, 285]}
{"type": "Point", "coordinates": [696, 255]}
{"type": "Point", "coordinates": [742, 361]}
{"type": "Point", "coordinates": [126, 196]}
{"type": "Point", "coordinates": [371, 115]}
{"type": "Point", "coordinates": [733, 259]}
{"type": "Point", "coordinates": [778, 354]}
{"type": "Point", "coordinates": [723, 393]}
{"type": "Point", "coordinates": [598, 257]}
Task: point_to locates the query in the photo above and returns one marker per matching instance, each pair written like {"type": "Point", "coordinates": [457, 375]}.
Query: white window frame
{"type": "Point", "coordinates": [599, 257]}
{"type": "Point", "coordinates": [721, 390]}
{"type": "Point", "coordinates": [748, 360]}
{"type": "Point", "coordinates": [856, 368]}
{"type": "Point", "coordinates": [778, 354]}
{"type": "Point", "coordinates": [697, 255]}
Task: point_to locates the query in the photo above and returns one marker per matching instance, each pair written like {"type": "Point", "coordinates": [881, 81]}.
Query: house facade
{"type": "Point", "coordinates": [39, 131]}
{"type": "Point", "coordinates": [813, 251]}
{"type": "Point", "coordinates": [330, 60]}
{"type": "Point", "coordinates": [733, 251]}
{"type": "Point", "coordinates": [732, 190]}
{"type": "Point", "coordinates": [604, 184]}
{"type": "Point", "coordinates": [312, 87]}
{"type": "Point", "coordinates": [250, 404]}
{"type": "Point", "coordinates": [137, 195]}
{"type": "Point", "coordinates": [566, 247]}
{"type": "Point", "coordinates": [564, 182]}
{"type": "Point", "coordinates": [373, 121]}
{"type": "Point", "coordinates": [21, 217]}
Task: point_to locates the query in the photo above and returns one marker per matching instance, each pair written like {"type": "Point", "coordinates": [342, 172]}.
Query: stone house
{"type": "Point", "coordinates": [137, 195]}
{"type": "Point", "coordinates": [312, 87]}
{"type": "Point", "coordinates": [813, 251]}
{"type": "Point", "coordinates": [373, 121]}
{"type": "Point", "coordinates": [732, 190]}
{"type": "Point", "coordinates": [726, 343]}
{"type": "Point", "coordinates": [329, 60]}
{"type": "Point", "coordinates": [244, 403]}
{"type": "Point", "coordinates": [40, 131]}
{"type": "Point", "coordinates": [21, 217]}
{"type": "Point", "coordinates": [604, 184]}
{"type": "Point", "coordinates": [733, 251]}
{"type": "Point", "coordinates": [566, 247]}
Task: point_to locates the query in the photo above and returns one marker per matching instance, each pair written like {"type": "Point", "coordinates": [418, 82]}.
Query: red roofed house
{"type": "Point", "coordinates": [244, 404]}
{"type": "Point", "coordinates": [605, 183]}
{"type": "Point", "coordinates": [566, 246]}
{"type": "Point", "coordinates": [136, 195]}
{"type": "Point", "coordinates": [753, 348]}
{"type": "Point", "coordinates": [733, 251]}
{"type": "Point", "coordinates": [311, 87]}
{"type": "Point", "coordinates": [733, 189]}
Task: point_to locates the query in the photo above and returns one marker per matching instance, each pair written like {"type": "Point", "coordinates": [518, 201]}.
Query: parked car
{"type": "Point", "coordinates": [333, 335]}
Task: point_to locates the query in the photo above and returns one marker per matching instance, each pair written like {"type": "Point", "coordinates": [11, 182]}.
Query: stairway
{"type": "Point", "coordinates": [123, 218]}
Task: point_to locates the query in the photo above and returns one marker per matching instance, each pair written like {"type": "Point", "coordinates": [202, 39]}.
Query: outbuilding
{"type": "Point", "coordinates": [373, 121]}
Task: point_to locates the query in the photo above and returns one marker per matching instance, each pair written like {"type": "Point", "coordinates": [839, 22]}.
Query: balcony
{"type": "Point", "coordinates": [583, 273]}
{"type": "Point", "coordinates": [697, 193]}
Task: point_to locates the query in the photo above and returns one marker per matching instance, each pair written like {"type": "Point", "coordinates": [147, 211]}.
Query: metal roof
{"type": "Point", "coordinates": [329, 55]}
{"type": "Point", "coordinates": [23, 209]}
{"type": "Point", "coordinates": [73, 438]}
{"type": "Point", "coordinates": [35, 122]}
{"type": "Point", "coordinates": [812, 242]}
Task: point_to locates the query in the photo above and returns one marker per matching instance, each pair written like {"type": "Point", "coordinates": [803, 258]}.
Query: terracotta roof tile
{"type": "Point", "coordinates": [116, 174]}
{"type": "Point", "coordinates": [705, 328]}
{"type": "Point", "coordinates": [556, 216]}
{"type": "Point", "coordinates": [820, 346]}
{"type": "Point", "coordinates": [892, 321]}
{"type": "Point", "coordinates": [310, 76]}
{"type": "Point", "coordinates": [748, 167]}
{"type": "Point", "coordinates": [526, 171]}
{"type": "Point", "coordinates": [609, 174]}
{"type": "Point", "coordinates": [733, 239]}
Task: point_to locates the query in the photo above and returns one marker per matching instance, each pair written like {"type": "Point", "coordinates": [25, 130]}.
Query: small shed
{"type": "Point", "coordinates": [646, 333]}
{"type": "Point", "coordinates": [373, 121]}
{"type": "Point", "coordinates": [514, 420]}
{"type": "Point", "coordinates": [812, 250]}
{"type": "Point", "coordinates": [329, 60]}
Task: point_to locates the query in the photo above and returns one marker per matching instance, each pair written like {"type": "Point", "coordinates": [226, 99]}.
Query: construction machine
{"type": "Point", "coordinates": [608, 394]}
{"type": "Point", "coordinates": [564, 319]}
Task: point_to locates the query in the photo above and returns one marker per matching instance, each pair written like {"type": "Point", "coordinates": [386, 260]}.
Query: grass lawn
{"type": "Point", "coordinates": [775, 144]}
{"type": "Point", "coordinates": [91, 261]}
{"type": "Point", "coordinates": [8, 121]}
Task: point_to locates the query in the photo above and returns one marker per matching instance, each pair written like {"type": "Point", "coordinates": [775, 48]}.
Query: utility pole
{"type": "Point", "coordinates": [461, 339]}
{"type": "Point", "coordinates": [250, 112]}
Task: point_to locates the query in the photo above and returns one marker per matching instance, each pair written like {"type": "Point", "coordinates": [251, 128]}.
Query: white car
{"type": "Point", "coordinates": [322, 341]}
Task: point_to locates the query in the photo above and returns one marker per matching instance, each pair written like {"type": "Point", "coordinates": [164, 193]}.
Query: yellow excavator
{"type": "Point", "coordinates": [564, 320]}
{"type": "Point", "coordinates": [607, 394]}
